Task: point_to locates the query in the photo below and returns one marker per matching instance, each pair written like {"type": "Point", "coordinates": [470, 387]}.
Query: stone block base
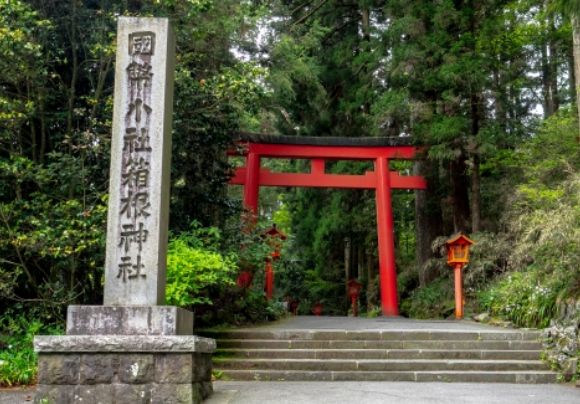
{"type": "Point", "coordinates": [123, 369]}
{"type": "Point", "coordinates": [128, 320]}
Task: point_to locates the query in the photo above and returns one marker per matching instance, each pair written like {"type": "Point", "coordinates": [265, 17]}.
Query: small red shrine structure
{"type": "Point", "coordinates": [319, 150]}
{"type": "Point", "coordinates": [457, 258]}
{"type": "Point", "coordinates": [274, 238]}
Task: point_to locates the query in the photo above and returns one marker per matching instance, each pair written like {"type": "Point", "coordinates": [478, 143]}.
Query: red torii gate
{"type": "Point", "coordinates": [319, 150]}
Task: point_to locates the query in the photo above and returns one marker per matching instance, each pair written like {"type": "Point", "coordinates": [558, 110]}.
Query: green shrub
{"type": "Point", "coordinates": [194, 266]}
{"type": "Point", "coordinates": [17, 358]}
{"type": "Point", "coordinates": [522, 298]}
{"type": "Point", "coordinates": [432, 301]}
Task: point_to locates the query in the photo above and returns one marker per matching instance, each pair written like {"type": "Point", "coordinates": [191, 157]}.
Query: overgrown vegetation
{"type": "Point", "coordinates": [17, 358]}
{"type": "Point", "coordinates": [522, 272]}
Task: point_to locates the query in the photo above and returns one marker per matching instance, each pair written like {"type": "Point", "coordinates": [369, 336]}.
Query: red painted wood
{"type": "Point", "coordinates": [332, 152]}
{"type": "Point", "coordinates": [318, 180]}
{"type": "Point", "coordinates": [252, 183]}
{"type": "Point", "coordinates": [317, 166]}
{"type": "Point", "coordinates": [386, 240]}
{"type": "Point", "coordinates": [458, 276]}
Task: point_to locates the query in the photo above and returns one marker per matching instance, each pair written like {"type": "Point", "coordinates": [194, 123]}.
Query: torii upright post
{"type": "Point", "coordinates": [386, 240]}
{"type": "Point", "coordinates": [252, 185]}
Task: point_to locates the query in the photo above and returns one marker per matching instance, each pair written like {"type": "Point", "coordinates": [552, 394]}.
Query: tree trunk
{"type": "Point", "coordinates": [428, 222]}
{"type": "Point", "coordinates": [75, 67]}
{"type": "Point", "coordinates": [546, 82]}
{"type": "Point", "coordinates": [347, 245]}
{"type": "Point", "coordinates": [366, 30]}
{"type": "Point", "coordinates": [460, 196]}
{"type": "Point", "coordinates": [499, 95]}
{"type": "Point", "coordinates": [571, 75]}
{"type": "Point", "coordinates": [43, 136]}
{"type": "Point", "coordinates": [576, 45]}
{"type": "Point", "coordinates": [553, 66]}
{"type": "Point", "coordinates": [370, 279]}
{"type": "Point", "coordinates": [360, 263]}
{"type": "Point", "coordinates": [475, 195]}
{"type": "Point", "coordinates": [475, 177]}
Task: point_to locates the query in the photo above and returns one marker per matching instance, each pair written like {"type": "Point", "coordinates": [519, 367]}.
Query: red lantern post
{"type": "Point", "coordinates": [457, 258]}
{"type": "Point", "coordinates": [354, 288]}
{"type": "Point", "coordinates": [274, 239]}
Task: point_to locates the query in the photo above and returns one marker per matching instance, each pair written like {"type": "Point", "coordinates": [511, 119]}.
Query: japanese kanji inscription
{"type": "Point", "coordinates": [141, 152]}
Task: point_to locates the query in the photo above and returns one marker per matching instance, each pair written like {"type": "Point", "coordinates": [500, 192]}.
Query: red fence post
{"type": "Point", "coordinates": [386, 240]}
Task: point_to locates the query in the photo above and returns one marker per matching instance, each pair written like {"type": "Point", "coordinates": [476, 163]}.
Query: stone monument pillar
{"type": "Point", "coordinates": [133, 349]}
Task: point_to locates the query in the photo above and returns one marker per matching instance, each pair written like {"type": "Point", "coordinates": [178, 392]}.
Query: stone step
{"type": "Point", "coordinates": [381, 354]}
{"type": "Point", "coordinates": [375, 335]}
{"type": "Point", "coordinates": [378, 344]}
{"type": "Point", "coordinates": [423, 376]}
{"type": "Point", "coordinates": [378, 365]}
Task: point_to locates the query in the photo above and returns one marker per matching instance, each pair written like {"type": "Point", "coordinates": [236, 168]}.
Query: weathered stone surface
{"type": "Point", "coordinates": [202, 365]}
{"type": "Point", "coordinates": [140, 163]}
{"type": "Point", "coordinates": [123, 343]}
{"type": "Point", "coordinates": [173, 368]}
{"type": "Point", "coordinates": [482, 317]}
{"type": "Point", "coordinates": [197, 393]}
{"type": "Point", "coordinates": [132, 393]}
{"type": "Point", "coordinates": [128, 320]}
{"type": "Point", "coordinates": [174, 394]}
{"type": "Point", "coordinates": [61, 394]}
{"type": "Point", "coordinates": [97, 368]}
{"type": "Point", "coordinates": [137, 368]}
{"type": "Point", "coordinates": [206, 389]}
{"type": "Point", "coordinates": [562, 339]}
{"type": "Point", "coordinates": [94, 394]}
{"type": "Point", "coordinates": [58, 369]}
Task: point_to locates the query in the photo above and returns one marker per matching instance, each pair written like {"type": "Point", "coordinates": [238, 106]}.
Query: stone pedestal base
{"type": "Point", "coordinates": [128, 320]}
{"type": "Point", "coordinates": [111, 369]}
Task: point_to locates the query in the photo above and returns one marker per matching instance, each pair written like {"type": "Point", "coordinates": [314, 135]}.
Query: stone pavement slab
{"type": "Point", "coordinates": [366, 393]}
{"type": "Point", "coordinates": [377, 323]}
{"type": "Point", "coordinates": [393, 392]}
{"type": "Point", "coordinates": [17, 395]}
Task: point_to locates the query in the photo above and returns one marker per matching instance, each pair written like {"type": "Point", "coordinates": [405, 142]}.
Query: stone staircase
{"type": "Point", "coordinates": [502, 356]}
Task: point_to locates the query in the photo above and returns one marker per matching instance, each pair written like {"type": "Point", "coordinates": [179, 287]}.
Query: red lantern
{"type": "Point", "coordinates": [457, 257]}
{"type": "Point", "coordinates": [274, 238]}
{"type": "Point", "coordinates": [458, 249]}
{"type": "Point", "coordinates": [244, 279]}
{"type": "Point", "coordinates": [317, 309]}
{"type": "Point", "coordinates": [354, 288]}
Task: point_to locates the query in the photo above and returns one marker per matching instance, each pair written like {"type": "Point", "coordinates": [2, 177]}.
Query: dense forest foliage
{"type": "Point", "coordinates": [490, 88]}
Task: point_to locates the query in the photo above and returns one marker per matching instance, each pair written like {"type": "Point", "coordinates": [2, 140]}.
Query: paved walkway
{"type": "Point", "coordinates": [389, 392]}
{"type": "Point", "coordinates": [378, 323]}
{"type": "Point", "coordinates": [367, 393]}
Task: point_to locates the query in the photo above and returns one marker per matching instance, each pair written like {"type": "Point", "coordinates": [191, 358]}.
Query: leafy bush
{"type": "Point", "coordinates": [432, 301]}
{"type": "Point", "coordinates": [17, 357]}
{"type": "Point", "coordinates": [194, 266]}
{"type": "Point", "coordinates": [522, 298]}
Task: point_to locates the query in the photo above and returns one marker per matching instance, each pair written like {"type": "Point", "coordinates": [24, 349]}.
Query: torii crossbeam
{"type": "Point", "coordinates": [319, 150]}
